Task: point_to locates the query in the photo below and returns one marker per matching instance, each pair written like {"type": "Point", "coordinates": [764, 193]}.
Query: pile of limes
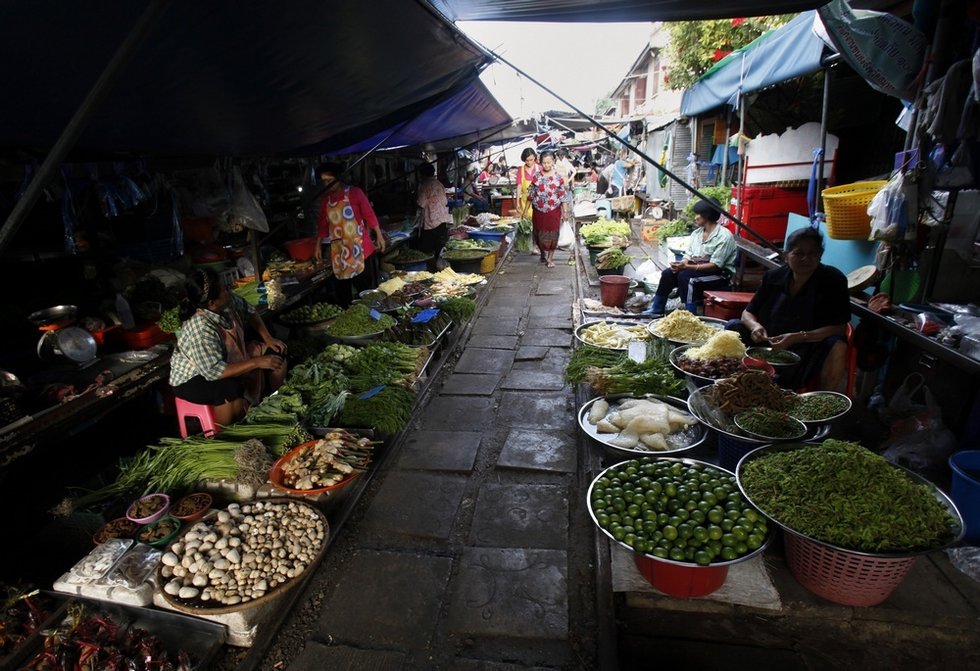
{"type": "Point", "coordinates": [311, 314]}
{"type": "Point", "coordinates": [672, 509]}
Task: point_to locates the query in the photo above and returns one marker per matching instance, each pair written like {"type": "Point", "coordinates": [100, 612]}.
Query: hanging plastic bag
{"type": "Point", "coordinates": [890, 210]}
{"type": "Point", "coordinates": [566, 235]}
{"type": "Point", "coordinates": [244, 210]}
{"type": "Point", "coordinates": [917, 439]}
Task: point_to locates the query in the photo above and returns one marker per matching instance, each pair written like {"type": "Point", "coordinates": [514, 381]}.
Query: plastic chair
{"type": "Point", "coordinates": [204, 414]}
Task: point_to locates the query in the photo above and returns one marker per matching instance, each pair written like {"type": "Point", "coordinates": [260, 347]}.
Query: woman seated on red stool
{"type": "Point", "coordinates": [212, 363]}
{"type": "Point", "coordinates": [805, 307]}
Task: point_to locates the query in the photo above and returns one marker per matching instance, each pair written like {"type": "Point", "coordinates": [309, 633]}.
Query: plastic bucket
{"type": "Point", "coordinates": [613, 290]}
{"type": "Point", "coordinates": [681, 581]}
{"type": "Point", "coordinates": [965, 491]}
{"type": "Point", "coordinates": [488, 263]}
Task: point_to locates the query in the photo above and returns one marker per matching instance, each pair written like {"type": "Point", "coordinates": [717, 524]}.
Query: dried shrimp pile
{"type": "Point", "coordinates": [747, 389]}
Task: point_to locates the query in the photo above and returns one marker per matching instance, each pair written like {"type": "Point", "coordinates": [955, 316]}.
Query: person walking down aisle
{"type": "Point", "coordinates": [528, 169]}
{"type": "Point", "coordinates": [803, 306]}
{"type": "Point", "coordinates": [708, 263]}
{"type": "Point", "coordinates": [549, 198]}
{"type": "Point", "coordinates": [212, 363]}
{"type": "Point", "coordinates": [346, 218]}
{"type": "Point", "coordinates": [434, 214]}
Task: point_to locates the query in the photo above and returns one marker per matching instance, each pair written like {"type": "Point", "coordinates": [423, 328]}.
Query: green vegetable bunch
{"type": "Point", "coordinates": [310, 314]}
{"type": "Point", "coordinates": [590, 356]}
{"type": "Point", "coordinates": [384, 363]}
{"type": "Point", "coordinates": [170, 320]}
{"type": "Point", "coordinates": [459, 309]}
{"type": "Point", "coordinates": [388, 411]}
{"type": "Point", "coordinates": [722, 193]}
{"type": "Point", "coordinates": [357, 320]}
{"type": "Point", "coordinates": [614, 257]}
{"type": "Point", "coordinates": [672, 229]}
{"type": "Point", "coordinates": [522, 239]}
{"type": "Point", "coordinates": [606, 232]}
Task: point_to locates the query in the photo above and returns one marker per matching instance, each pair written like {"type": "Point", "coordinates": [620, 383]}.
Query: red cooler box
{"type": "Point", "coordinates": [725, 304]}
{"type": "Point", "coordinates": [766, 208]}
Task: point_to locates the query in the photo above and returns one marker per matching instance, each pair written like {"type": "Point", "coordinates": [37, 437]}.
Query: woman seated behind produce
{"type": "Point", "coordinates": [212, 363]}
{"type": "Point", "coordinates": [803, 306]}
{"type": "Point", "coordinates": [708, 263]}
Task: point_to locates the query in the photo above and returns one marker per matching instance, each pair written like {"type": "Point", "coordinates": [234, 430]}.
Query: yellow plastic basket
{"type": "Point", "coordinates": [846, 207]}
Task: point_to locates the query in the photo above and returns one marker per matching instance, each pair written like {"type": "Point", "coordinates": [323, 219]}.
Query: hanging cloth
{"type": "Point", "coordinates": [346, 238]}
{"type": "Point", "coordinates": [664, 155]}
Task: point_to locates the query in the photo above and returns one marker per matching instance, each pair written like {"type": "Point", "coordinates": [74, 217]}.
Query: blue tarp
{"type": "Point", "coordinates": [461, 119]}
{"type": "Point", "coordinates": [782, 54]}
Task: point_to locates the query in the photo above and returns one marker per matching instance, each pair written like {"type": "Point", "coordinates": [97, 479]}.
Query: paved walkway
{"type": "Point", "coordinates": [471, 547]}
{"type": "Point", "coordinates": [460, 554]}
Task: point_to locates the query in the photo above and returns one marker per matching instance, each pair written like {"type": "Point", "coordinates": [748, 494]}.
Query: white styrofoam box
{"type": "Point", "coordinates": [795, 145]}
{"type": "Point", "coordinates": [243, 625]}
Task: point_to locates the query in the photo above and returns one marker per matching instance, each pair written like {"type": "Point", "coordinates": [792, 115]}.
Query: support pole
{"type": "Point", "coordinates": [69, 136]}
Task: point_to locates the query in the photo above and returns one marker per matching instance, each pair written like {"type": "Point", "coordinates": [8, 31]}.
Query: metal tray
{"type": "Point", "coordinates": [694, 435]}
{"type": "Point", "coordinates": [701, 408]}
{"type": "Point", "coordinates": [745, 557]}
{"type": "Point", "coordinates": [940, 496]}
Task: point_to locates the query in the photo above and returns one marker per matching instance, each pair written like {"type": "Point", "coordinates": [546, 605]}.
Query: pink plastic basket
{"type": "Point", "coordinates": [847, 578]}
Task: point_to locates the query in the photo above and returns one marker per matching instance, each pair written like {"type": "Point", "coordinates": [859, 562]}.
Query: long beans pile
{"type": "Point", "coordinates": [843, 494]}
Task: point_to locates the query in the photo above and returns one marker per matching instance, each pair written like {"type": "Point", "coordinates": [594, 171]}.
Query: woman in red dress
{"type": "Point", "coordinates": [549, 198]}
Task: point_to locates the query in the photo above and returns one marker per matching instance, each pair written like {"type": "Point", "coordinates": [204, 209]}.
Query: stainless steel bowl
{"type": "Point", "coordinates": [958, 532]}
{"type": "Point", "coordinates": [54, 318]}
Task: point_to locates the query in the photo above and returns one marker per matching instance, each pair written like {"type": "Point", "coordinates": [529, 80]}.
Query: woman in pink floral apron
{"type": "Point", "coordinates": [345, 220]}
{"type": "Point", "coordinates": [213, 364]}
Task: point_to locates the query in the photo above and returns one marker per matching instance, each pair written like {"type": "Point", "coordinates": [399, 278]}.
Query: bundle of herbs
{"type": "Point", "coordinates": [589, 356]}
{"type": "Point", "coordinates": [522, 239]}
{"type": "Point", "coordinates": [653, 375]}
{"type": "Point", "coordinates": [459, 309]}
{"type": "Point", "coordinates": [357, 321]}
{"type": "Point", "coordinates": [388, 410]}
{"type": "Point", "coordinates": [614, 257]}
{"type": "Point", "coordinates": [385, 363]}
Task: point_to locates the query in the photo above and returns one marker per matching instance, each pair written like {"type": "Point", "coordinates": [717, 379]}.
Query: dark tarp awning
{"type": "Point", "coordinates": [789, 51]}
{"type": "Point", "coordinates": [226, 77]}
{"type": "Point", "coordinates": [457, 121]}
{"type": "Point", "coordinates": [614, 10]}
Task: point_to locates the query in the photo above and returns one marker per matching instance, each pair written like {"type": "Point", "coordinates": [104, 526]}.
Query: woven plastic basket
{"type": "Point", "coordinates": [847, 578]}
{"type": "Point", "coordinates": [846, 207]}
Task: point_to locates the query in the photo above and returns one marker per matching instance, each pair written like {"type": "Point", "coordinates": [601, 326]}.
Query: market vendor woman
{"type": "Point", "coordinates": [803, 306]}
{"type": "Point", "coordinates": [212, 363]}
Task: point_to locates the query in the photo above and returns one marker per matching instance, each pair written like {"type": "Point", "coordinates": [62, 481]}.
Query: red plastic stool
{"type": "Point", "coordinates": [203, 413]}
